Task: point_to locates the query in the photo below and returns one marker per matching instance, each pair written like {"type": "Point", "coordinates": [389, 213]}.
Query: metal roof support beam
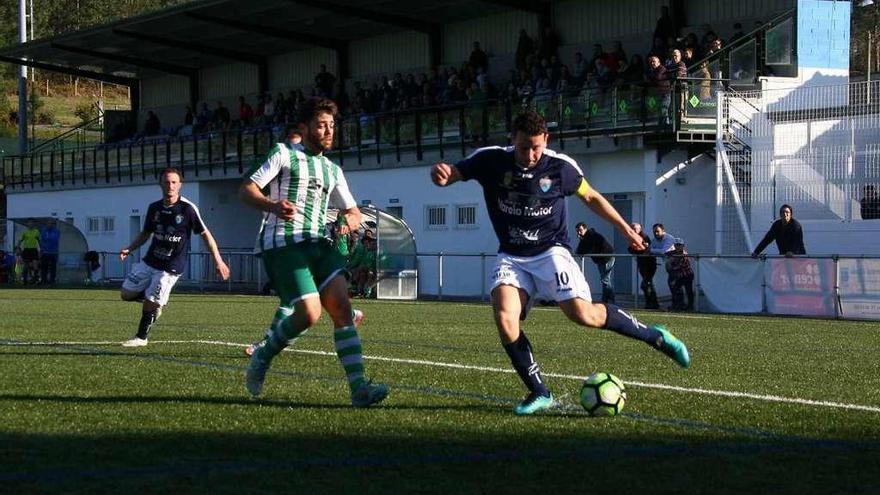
{"type": "Point", "coordinates": [195, 92]}
{"type": "Point", "coordinates": [128, 60]}
{"type": "Point", "coordinates": [539, 7]}
{"type": "Point", "coordinates": [284, 34]}
{"type": "Point", "coordinates": [370, 15]}
{"type": "Point", "coordinates": [98, 76]}
{"type": "Point", "coordinates": [250, 58]}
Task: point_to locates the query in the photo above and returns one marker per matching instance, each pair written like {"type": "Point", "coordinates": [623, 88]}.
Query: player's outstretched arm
{"type": "Point", "coordinates": [352, 218]}
{"type": "Point", "coordinates": [444, 174]}
{"type": "Point", "coordinates": [250, 194]}
{"type": "Point", "coordinates": [219, 264]}
{"type": "Point", "coordinates": [603, 208]}
{"type": "Point", "coordinates": [136, 243]}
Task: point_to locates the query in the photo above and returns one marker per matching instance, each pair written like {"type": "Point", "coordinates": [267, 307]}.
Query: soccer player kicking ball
{"type": "Point", "coordinates": [524, 187]}
{"type": "Point", "coordinates": [307, 272]}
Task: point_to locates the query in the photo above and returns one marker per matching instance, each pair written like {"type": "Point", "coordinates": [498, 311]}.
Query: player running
{"type": "Point", "coordinates": [524, 187]}
{"type": "Point", "coordinates": [169, 222]}
{"type": "Point", "coordinates": [307, 272]}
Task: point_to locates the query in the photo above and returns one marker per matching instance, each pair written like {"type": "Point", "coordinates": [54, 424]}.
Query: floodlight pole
{"type": "Point", "coordinates": [22, 81]}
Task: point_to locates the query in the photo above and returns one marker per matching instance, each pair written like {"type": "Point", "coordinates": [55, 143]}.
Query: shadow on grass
{"type": "Point", "coordinates": [431, 461]}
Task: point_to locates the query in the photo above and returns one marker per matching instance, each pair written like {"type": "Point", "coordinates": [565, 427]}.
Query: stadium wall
{"type": "Point", "coordinates": [167, 96]}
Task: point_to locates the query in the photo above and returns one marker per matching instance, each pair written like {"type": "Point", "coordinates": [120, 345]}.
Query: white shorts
{"type": "Point", "coordinates": [156, 284]}
{"type": "Point", "coordinates": [551, 276]}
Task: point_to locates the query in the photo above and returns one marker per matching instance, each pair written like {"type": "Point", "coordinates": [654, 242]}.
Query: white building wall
{"type": "Point", "coordinates": [394, 52]}
{"type": "Point", "coordinates": [167, 96]}
{"type": "Point", "coordinates": [227, 82]}
{"type": "Point", "coordinates": [497, 34]}
{"type": "Point", "coordinates": [298, 69]}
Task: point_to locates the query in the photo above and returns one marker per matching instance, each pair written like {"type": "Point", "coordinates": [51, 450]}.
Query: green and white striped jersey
{"type": "Point", "coordinates": [310, 182]}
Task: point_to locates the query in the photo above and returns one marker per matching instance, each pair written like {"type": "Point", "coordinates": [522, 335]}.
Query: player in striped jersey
{"type": "Point", "coordinates": [306, 270]}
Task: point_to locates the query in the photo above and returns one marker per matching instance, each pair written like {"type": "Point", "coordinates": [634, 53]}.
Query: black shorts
{"type": "Point", "coordinates": [30, 254]}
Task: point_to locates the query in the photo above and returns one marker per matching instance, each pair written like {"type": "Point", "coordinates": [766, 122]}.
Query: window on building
{"type": "Point", "coordinates": [395, 210]}
{"type": "Point", "coordinates": [436, 217]}
{"type": "Point", "coordinates": [101, 225]}
{"type": "Point", "coordinates": [466, 216]}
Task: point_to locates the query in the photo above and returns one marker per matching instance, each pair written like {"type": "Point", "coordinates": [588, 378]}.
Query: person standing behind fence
{"type": "Point", "coordinates": [647, 266]}
{"type": "Point", "coordinates": [50, 237]}
{"type": "Point", "coordinates": [169, 222]}
{"type": "Point", "coordinates": [30, 253]}
{"type": "Point", "coordinates": [787, 232]}
{"type": "Point", "coordinates": [592, 242]}
{"type": "Point", "coordinates": [681, 276]}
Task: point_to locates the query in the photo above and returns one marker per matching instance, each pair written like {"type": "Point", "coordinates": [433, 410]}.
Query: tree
{"type": "Point", "coordinates": [865, 21]}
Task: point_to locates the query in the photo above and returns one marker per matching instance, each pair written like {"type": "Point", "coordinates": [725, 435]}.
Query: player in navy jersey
{"type": "Point", "coordinates": [169, 223]}
{"type": "Point", "coordinates": [525, 187]}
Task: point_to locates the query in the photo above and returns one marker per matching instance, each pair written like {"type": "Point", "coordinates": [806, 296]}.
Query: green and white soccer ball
{"type": "Point", "coordinates": [603, 394]}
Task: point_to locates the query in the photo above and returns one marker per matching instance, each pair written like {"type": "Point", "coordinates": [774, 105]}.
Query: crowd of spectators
{"type": "Point", "coordinates": [537, 72]}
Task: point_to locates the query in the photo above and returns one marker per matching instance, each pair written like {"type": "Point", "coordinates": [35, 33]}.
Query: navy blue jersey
{"type": "Point", "coordinates": [172, 227]}
{"type": "Point", "coordinates": [526, 205]}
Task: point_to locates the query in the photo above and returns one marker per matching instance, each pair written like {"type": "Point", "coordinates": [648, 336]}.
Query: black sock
{"type": "Point", "coordinates": [147, 320]}
{"type": "Point", "coordinates": [621, 322]}
{"type": "Point", "coordinates": [520, 352]}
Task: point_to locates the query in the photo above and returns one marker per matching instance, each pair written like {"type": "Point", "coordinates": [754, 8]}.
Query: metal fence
{"type": "Point", "coordinates": [825, 286]}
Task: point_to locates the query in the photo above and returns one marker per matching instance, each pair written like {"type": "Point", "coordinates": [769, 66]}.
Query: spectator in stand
{"type": "Point", "coordinates": [658, 48]}
{"type": "Point", "coordinates": [340, 96]}
{"type": "Point", "coordinates": [635, 70]}
{"type": "Point", "coordinates": [707, 37]}
{"type": "Point", "coordinates": [787, 232]}
{"type": "Point", "coordinates": [681, 276]}
{"type": "Point", "coordinates": [617, 58]}
{"type": "Point", "coordinates": [598, 54]}
{"type": "Point", "coordinates": [204, 118]}
{"type": "Point", "coordinates": [591, 243]}
{"type": "Point", "coordinates": [50, 238]}
{"type": "Point", "coordinates": [713, 46]}
{"type": "Point", "coordinates": [687, 56]}
{"type": "Point", "coordinates": [677, 73]}
{"type": "Point", "coordinates": [525, 46]}
{"type": "Point", "coordinates": [478, 58]}
{"type": "Point", "coordinates": [268, 110]}
{"type": "Point", "coordinates": [245, 113]}
{"type": "Point", "coordinates": [324, 81]}
{"type": "Point", "coordinates": [188, 117]}
{"type": "Point", "coordinates": [658, 83]}
{"type": "Point", "coordinates": [705, 81]}
{"type": "Point", "coordinates": [737, 32]}
{"type": "Point", "coordinates": [870, 203]}
{"type": "Point", "coordinates": [222, 118]}
{"type": "Point", "coordinates": [665, 27]}
{"type": "Point", "coordinates": [152, 125]}
{"type": "Point", "coordinates": [548, 45]}
{"type": "Point", "coordinates": [647, 266]}
{"type": "Point", "coordinates": [579, 69]}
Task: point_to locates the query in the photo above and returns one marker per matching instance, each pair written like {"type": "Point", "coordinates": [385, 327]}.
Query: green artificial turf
{"type": "Point", "coordinates": [81, 414]}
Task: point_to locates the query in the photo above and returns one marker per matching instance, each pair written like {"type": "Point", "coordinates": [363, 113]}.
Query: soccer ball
{"type": "Point", "coordinates": [603, 395]}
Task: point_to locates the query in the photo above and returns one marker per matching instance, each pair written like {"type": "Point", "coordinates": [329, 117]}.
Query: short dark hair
{"type": "Point", "coordinates": [658, 225]}
{"type": "Point", "coordinates": [313, 106]}
{"type": "Point", "coordinates": [580, 224]}
{"type": "Point", "coordinates": [171, 170]}
{"type": "Point", "coordinates": [291, 129]}
{"type": "Point", "coordinates": [530, 123]}
{"type": "Point", "coordinates": [786, 206]}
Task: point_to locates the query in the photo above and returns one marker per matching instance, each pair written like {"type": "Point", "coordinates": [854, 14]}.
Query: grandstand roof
{"type": "Point", "coordinates": [205, 33]}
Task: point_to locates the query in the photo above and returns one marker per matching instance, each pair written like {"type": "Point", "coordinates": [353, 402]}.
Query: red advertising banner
{"type": "Point", "coordinates": [800, 286]}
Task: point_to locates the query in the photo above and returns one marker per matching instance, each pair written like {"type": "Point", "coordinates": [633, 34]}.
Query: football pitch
{"type": "Point", "coordinates": [773, 405]}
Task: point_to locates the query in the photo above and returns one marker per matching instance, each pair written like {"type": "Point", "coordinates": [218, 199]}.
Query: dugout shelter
{"type": "Point", "coordinates": [72, 247]}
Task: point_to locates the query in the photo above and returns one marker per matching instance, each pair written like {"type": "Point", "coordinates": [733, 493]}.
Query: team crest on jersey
{"type": "Point", "coordinates": [156, 217]}
{"type": "Point", "coordinates": [178, 219]}
{"type": "Point", "coordinates": [545, 184]}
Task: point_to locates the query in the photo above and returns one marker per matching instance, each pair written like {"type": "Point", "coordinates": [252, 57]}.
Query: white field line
{"type": "Point", "coordinates": [658, 386]}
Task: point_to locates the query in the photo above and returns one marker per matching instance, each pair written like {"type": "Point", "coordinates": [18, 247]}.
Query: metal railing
{"type": "Point", "coordinates": [824, 286]}
{"type": "Point", "coordinates": [374, 138]}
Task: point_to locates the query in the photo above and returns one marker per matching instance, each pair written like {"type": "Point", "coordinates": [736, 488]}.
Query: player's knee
{"type": "Point", "coordinates": [128, 295]}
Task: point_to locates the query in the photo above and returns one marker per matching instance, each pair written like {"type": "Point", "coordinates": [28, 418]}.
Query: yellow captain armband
{"type": "Point", "coordinates": [584, 188]}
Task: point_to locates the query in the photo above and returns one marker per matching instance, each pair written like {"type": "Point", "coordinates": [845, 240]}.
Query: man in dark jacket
{"type": "Point", "coordinates": [647, 266]}
{"type": "Point", "coordinates": [592, 242]}
{"type": "Point", "coordinates": [787, 233]}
